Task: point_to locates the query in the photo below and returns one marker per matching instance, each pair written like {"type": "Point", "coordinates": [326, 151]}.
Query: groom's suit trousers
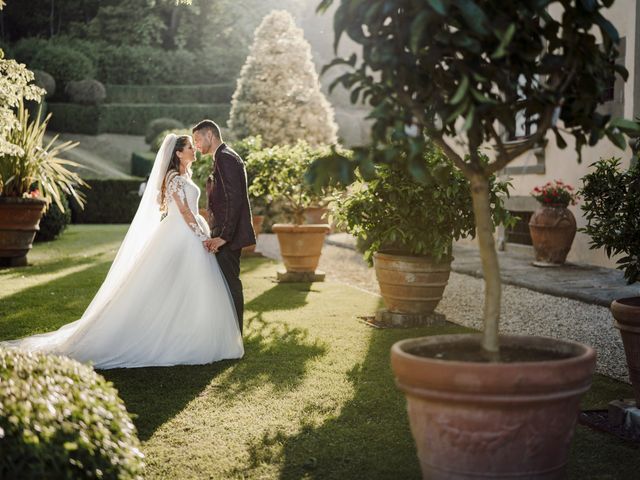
{"type": "Point", "coordinates": [229, 261]}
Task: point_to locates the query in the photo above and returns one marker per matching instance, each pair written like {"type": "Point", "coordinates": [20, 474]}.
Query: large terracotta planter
{"type": "Point", "coordinates": [552, 231]}
{"type": "Point", "coordinates": [626, 312]}
{"type": "Point", "coordinates": [474, 420]}
{"type": "Point", "coordinates": [300, 245]}
{"type": "Point", "coordinates": [257, 221]}
{"type": "Point", "coordinates": [19, 222]}
{"type": "Point", "coordinates": [411, 284]}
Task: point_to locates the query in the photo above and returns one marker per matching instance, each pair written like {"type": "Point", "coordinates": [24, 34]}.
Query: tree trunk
{"type": "Point", "coordinates": [51, 19]}
{"type": "Point", "coordinates": [489, 257]}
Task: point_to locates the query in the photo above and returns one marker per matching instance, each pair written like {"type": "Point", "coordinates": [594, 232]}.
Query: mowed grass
{"type": "Point", "coordinates": [313, 398]}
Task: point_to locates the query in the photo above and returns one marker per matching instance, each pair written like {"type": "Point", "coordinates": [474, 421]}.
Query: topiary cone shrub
{"type": "Point", "coordinates": [60, 419]}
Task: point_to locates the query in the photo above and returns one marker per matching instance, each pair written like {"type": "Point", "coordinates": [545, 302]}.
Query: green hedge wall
{"type": "Point", "coordinates": [131, 119]}
{"type": "Point", "coordinates": [141, 163]}
{"type": "Point", "coordinates": [72, 118]}
{"type": "Point", "coordinates": [170, 94]}
{"type": "Point", "coordinates": [108, 201]}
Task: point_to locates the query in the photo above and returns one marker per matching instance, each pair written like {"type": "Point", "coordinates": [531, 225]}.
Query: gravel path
{"type": "Point", "coordinates": [523, 311]}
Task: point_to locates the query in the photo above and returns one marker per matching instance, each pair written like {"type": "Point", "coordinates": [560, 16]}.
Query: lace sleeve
{"type": "Point", "coordinates": [175, 191]}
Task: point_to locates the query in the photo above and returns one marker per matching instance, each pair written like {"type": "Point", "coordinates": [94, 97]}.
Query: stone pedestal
{"type": "Point", "coordinates": [300, 277]}
{"type": "Point", "coordinates": [625, 414]}
{"type": "Point", "coordinates": [404, 320]}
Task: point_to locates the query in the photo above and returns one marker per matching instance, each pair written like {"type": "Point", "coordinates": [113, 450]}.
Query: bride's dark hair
{"type": "Point", "coordinates": [173, 168]}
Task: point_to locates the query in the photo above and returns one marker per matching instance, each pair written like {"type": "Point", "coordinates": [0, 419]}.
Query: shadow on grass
{"type": "Point", "coordinates": [282, 296]}
{"type": "Point", "coordinates": [275, 355]}
{"type": "Point", "coordinates": [370, 438]}
{"type": "Point", "coordinates": [157, 394]}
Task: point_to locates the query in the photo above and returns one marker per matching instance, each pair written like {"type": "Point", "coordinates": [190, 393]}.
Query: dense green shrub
{"type": "Point", "coordinates": [132, 65]}
{"type": "Point", "coordinates": [60, 419]}
{"type": "Point", "coordinates": [26, 49]}
{"type": "Point", "coordinates": [91, 48]}
{"type": "Point", "coordinates": [85, 92]}
{"type": "Point", "coordinates": [46, 81]}
{"type": "Point", "coordinates": [142, 163]}
{"type": "Point", "coordinates": [159, 125]}
{"type": "Point", "coordinates": [217, 93]}
{"type": "Point", "coordinates": [63, 64]}
{"type": "Point", "coordinates": [396, 213]}
{"type": "Point", "coordinates": [108, 201]}
{"type": "Point", "coordinates": [611, 206]}
{"type": "Point", "coordinates": [54, 221]}
{"type": "Point", "coordinates": [73, 118]}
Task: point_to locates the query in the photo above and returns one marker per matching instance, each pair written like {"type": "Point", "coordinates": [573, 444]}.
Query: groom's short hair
{"type": "Point", "coordinates": [208, 125]}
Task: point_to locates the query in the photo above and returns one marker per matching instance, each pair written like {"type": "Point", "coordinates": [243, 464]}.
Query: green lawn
{"type": "Point", "coordinates": [313, 397]}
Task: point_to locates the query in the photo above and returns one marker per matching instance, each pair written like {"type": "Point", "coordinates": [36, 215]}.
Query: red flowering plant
{"type": "Point", "coordinates": [555, 194]}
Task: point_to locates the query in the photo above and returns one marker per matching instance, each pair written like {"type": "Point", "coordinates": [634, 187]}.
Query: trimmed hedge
{"type": "Point", "coordinates": [131, 119]}
{"type": "Point", "coordinates": [108, 201]}
{"type": "Point", "coordinates": [172, 94]}
{"type": "Point", "coordinates": [60, 419]}
{"type": "Point", "coordinates": [141, 163]}
{"type": "Point", "coordinates": [72, 118]}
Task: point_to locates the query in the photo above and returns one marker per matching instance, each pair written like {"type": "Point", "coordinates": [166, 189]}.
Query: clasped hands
{"type": "Point", "coordinates": [213, 244]}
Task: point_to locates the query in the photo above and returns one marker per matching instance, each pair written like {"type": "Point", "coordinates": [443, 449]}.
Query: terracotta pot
{"type": "Point", "coordinates": [626, 312]}
{"type": "Point", "coordinates": [552, 231]}
{"type": "Point", "coordinates": [19, 222]}
{"type": "Point", "coordinates": [410, 284]}
{"type": "Point", "coordinates": [300, 245]}
{"type": "Point", "coordinates": [316, 215]}
{"type": "Point", "coordinates": [474, 420]}
{"type": "Point", "coordinates": [257, 221]}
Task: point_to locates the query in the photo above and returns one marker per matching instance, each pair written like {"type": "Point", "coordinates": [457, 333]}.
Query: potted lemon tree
{"type": "Point", "coordinates": [462, 74]}
{"type": "Point", "coordinates": [281, 179]}
{"type": "Point", "coordinates": [611, 205]}
{"type": "Point", "coordinates": [409, 227]}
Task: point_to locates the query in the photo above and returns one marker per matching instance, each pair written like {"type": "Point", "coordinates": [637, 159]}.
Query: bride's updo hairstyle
{"type": "Point", "coordinates": [173, 169]}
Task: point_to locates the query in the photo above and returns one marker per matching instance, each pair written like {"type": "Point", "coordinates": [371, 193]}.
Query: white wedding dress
{"type": "Point", "coordinates": [164, 301]}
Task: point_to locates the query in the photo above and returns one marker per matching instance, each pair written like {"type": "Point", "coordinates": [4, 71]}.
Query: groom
{"type": "Point", "coordinates": [228, 207]}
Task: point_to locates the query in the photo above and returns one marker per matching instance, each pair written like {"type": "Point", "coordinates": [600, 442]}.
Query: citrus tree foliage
{"type": "Point", "coordinates": [278, 176]}
{"type": "Point", "coordinates": [611, 205]}
{"type": "Point", "coordinates": [394, 212]}
{"type": "Point", "coordinates": [448, 67]}
{"type": "Point", "coordinates": [278, 95]}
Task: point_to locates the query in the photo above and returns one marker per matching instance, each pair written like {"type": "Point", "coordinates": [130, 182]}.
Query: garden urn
{"type": "Point", "coordinates": [552, 229]}
{"type": "Point", "coordinates": [409, 284]}
{"type": "Point", "coordinates": [300, 245]}
{"type": "Point", "coordinates": [19, 222]}
{"type": "Point", "coordinates": [626, 312]}
{"type": "Point", "coordinates": [476, 418]}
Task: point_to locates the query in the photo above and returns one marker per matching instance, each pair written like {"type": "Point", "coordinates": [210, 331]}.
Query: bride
{"type": "Point", "coordinates": [164, 300]}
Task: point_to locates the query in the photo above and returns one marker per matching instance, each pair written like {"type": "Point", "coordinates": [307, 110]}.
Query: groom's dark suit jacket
{"type": "Point", "coordinates": [228, 200]}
